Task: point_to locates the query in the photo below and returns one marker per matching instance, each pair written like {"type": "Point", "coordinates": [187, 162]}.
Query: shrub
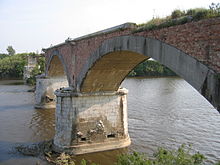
{"type": "Point", "coordinates": [179, 17]}
{"type": "Point", "coordinates": [12, 66]}
{"type": "Point", "coordinates": [177, 14]}
{"type": "Point", "coordinates": [181, 156]}
{"type": "Point", "coordinates": [202, 14]}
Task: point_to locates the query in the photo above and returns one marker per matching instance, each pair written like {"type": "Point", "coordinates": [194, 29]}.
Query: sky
{"type": "Point", "coordinates": [30, 25]}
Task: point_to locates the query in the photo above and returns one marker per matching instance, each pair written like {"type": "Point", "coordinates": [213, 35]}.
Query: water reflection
{"type": "Point", "coordinates": [42, 124]}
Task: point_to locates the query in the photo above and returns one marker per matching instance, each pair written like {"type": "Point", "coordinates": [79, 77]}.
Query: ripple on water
{"type": "Point", "coordinates": [162, 112]}
{"type": "Point", "coordinates": [173, 113]}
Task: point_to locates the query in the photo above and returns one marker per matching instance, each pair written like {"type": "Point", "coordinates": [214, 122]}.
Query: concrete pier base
{"type": "Point", "coordinates": [44, 94]}
{"type": "Point", "coordinates": [91, 122]}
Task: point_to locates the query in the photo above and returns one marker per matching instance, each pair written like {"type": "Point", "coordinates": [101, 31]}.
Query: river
{"type": "Point", "coordinates": [162, 112]}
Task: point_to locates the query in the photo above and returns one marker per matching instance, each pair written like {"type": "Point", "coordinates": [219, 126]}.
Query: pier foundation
{"type": "Point", "coordinates": [44, 93]}
{"type": "Point", "coordinates": [90, 122]}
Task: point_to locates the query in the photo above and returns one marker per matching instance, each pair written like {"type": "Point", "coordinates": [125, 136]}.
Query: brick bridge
{"type": "Point", "coordinates": [91, 112]}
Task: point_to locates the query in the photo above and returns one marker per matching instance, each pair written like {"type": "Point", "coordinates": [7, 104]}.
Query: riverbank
{"type": "Point", "coordinates": [11, 81]}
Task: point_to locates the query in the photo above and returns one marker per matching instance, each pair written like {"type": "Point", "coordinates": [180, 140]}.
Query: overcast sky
{"type": "Point", "coordinates": [30, 25]}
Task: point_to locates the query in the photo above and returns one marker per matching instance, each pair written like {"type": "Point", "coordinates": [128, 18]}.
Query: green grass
{"type": "Point", "coordinates": [179, 17]}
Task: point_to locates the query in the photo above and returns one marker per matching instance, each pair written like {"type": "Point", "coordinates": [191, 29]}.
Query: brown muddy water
{"type": "Point", "coordinates": [162, 112]}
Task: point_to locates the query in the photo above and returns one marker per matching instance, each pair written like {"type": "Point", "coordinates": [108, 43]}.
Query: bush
{"type": "Point", "coordinates": [12, 66]}
{"type": "Point", "coordinates": [3, 55]}
{"type": "Point", "coordinates": [179, 17]}
{"type": "Point", "coordinates": [177, 14]}
{"type": "Point", "coordinates": [202, 14]}
{"type": "Point", "coordinates": [181, 156]}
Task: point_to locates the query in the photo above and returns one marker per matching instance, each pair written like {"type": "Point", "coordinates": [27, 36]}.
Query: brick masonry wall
{"type": "Point", "coordinates": [198, 39]}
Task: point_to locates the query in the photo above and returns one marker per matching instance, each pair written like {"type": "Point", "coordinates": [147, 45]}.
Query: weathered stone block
{"type": "Point", "coordinates": [95, 120]}
{"type": "Point", "coordinates": [44, 94]}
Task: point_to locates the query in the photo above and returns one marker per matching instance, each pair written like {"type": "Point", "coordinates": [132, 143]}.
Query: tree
{"type": "Point", "coordinates": [11, 51]}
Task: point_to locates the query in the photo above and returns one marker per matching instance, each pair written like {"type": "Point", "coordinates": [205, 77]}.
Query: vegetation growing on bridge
{"type": "Point", "coordinates": [152, 69]}
{"type": "Point", "coordinates": [179, 17]}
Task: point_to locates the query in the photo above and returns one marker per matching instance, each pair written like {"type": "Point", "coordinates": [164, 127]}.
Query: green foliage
{"type": "Point", "coordinates": [177, 14]}
{"type": "Point", "coordinates": [151, 68]}
{"type": "Point", "coordinates": [3, 56]}
{"type": "Point", "coordinates": [11, 51]}
{"type": "Point", "coordinates": [184, 155]}
{"type": "Point", "coordinates": [181, 156]}
{"type": "Point", "coordinates": [13, 66]}
{"type": "Point", "coordinates": [201, 14]}
{"type": "Point", "coordinates": [84, 162]}
{"type": "Point", "coordinates": [133, 159]}
{"type": "Point", "coordinates": [179, 17]}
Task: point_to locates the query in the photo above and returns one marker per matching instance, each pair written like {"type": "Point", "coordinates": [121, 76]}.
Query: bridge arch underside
{"type": "Point", "coordinates": [45, 86]}
{"type": "Point", "coordinates": [55, 68]}
{"type": "Point", "coordinates": [115, 58]}
{"type": "Point", "coordinates": [109, 71]}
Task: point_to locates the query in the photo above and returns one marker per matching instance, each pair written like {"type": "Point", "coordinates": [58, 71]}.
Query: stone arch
{"type": "Point", "coordinates": [114, 50]}
{"type": "Point", "coordinates": [109, 71]}
{"type": "Point", "coordinates": [184, 65]}
{"type": "Point", "coordinates": [55, 78]}
{"type": "Point", "coordinates": [56, 66]}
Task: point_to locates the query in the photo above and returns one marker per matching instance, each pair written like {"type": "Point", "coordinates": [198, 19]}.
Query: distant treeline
{"type": "Point", "coordinates": [12, 66]}
{"type": "Point", "coordinates": [151, 68]}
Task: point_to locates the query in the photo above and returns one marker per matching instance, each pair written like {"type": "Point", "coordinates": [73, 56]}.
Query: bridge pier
{"type": "Point", "coordinates": [44, 93]}
{"type": "Point", "coordinates": [90, 122]}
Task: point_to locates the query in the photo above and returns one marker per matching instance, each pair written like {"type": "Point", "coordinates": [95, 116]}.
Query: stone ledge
{"type": "Point", "coordinates": [93, 147]}
{"type": "Point", "coordinates": [69, 93]}
{"type": "Point", "coordinates": [124, 26]}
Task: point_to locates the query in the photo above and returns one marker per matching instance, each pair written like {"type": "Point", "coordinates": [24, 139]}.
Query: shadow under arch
{"type": "Point", "coordinates": [106, 67]}
{"type": "Point", "coordinates": [55, 78]}
{"type": "Point", "coordinates": [56, 67]}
